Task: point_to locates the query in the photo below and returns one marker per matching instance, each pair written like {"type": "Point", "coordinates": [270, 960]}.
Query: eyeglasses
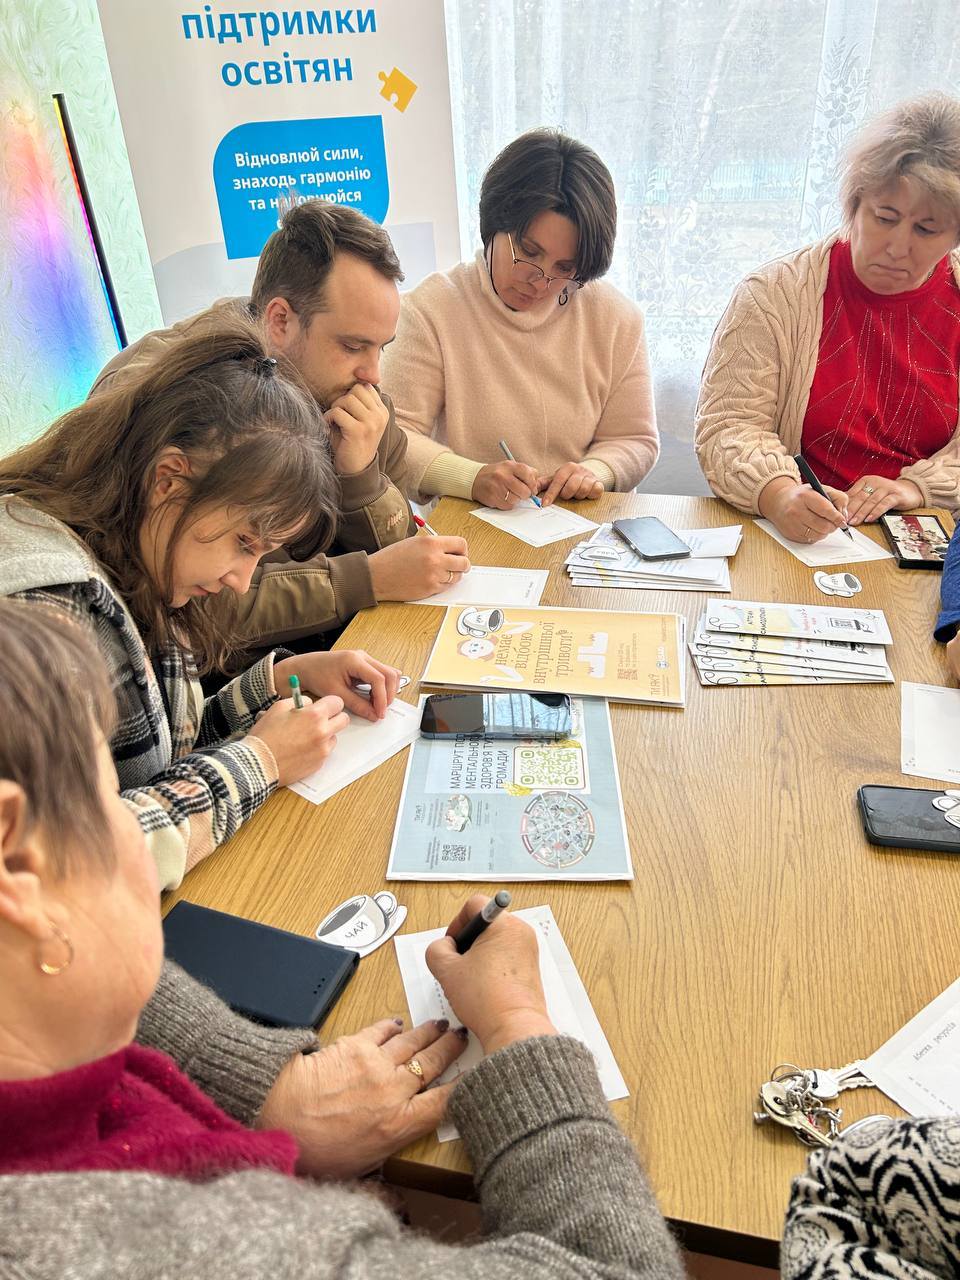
{"type": "Point", "coordinates": [537, 273]}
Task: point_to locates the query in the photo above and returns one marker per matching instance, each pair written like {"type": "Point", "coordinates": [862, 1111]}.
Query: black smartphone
{"type": "Point", "coordinates": [651, 539]}
{"type": "Point", "coordinates": [907, 818]}
{"type": "Point", "coordinates": [497, 715]}
{"type": "Point", "coordinates": [280, 979]}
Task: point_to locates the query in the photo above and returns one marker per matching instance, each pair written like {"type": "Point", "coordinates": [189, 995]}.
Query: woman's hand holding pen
{"type": "Point", "coordinates": [798, 512]}
{"type": "Point", "coordinates": [494, 988]}
{"type": "Point", "coordinates": [301, 739]}
{"type": "Point", "coordinates": [504, 484]}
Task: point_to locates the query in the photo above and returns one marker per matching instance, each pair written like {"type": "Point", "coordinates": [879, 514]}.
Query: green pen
{"type": "Point", "coordinates": [295, 691]}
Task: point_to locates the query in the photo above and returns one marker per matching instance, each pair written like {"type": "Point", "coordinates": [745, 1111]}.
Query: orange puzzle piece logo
{"type": "Point", "coordinates": [396, 83]}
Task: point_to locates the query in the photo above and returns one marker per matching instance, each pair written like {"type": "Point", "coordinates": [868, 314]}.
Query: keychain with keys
{"type": "Point", "coordinates": [796, 1098]}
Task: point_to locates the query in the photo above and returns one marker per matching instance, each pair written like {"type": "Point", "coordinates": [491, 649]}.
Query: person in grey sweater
{"type": "Point", "coordinates": [112, 1163]}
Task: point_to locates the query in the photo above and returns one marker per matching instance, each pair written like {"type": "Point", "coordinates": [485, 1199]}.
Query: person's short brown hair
{"type": "Point", "coordinates": [918, 139]}
{"type": "Point", "coordinates": [544, 170]}
{"type": "Point", "coordinates": [296, 260]}
{"type": "Point", "coordinates": [55, 702]}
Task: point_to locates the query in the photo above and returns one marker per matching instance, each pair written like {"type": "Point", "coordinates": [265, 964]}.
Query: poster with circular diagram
{"type": "Point", "coordinates": [478, 808]}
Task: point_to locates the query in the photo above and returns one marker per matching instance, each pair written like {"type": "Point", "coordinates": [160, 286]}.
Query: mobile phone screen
{"type": "Point", "coordinates": [651, 539]}
{"type": "Point", "coordinates": [497, 715]}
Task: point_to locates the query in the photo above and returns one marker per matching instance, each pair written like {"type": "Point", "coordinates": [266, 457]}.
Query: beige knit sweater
{"type": "Point", "coordinates": [756, 384]}
{"type": "Point", "coordinates": [559, 384]}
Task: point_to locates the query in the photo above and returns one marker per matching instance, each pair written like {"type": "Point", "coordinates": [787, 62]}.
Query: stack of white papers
{"type": "Point", "coordinates": [739, 642]}
{"type": "Point", "coordinates": [536, 526]}
{"type": "Point", "coordinates": [568, 1004]}
{"type": "Point", "coordinates": [836, 548]}
{"type": "Point", "coordinates": [361, 746]}
{"type": "Point", "coordinates": [606, 560]}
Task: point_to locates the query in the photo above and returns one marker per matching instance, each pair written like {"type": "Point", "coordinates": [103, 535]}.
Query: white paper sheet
{"type": "Point", "coordinates": [835, 548]}
{"type": "Point", "coordinates": [362, 746]}
{"type": "Point", "coordinates": [568, 1004]}
{"type": "Point", "coordinates": [536, 526]}
{"type": "Point", "coordinates": [929, 731]}
{"type": "Point", "coordinates": [919, 1067]}
{"type": "Point", "coordinates": [491, 585]}
{"type": "Point", "coordinates": [638, 582]}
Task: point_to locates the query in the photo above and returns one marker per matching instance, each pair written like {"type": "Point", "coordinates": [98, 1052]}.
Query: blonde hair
{"type": "Point", "coordinates": [919, 139]}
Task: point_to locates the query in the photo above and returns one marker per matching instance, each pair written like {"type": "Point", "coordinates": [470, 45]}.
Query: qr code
{"type": "Point", "coordinates": [548, 767]}
{"type": "Point", "coordinates": [454, 853]}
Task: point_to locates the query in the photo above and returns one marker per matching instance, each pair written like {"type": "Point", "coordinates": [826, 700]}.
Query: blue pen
{"type": "Point", "coordinates": [505, 450]}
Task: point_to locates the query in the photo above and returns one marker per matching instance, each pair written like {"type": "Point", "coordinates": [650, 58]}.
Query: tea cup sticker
{"type": "Point", "coordinates": [949, 806]}
{"type": "Point", "coordinates": [362, 923]}
{"type": "Point", "coordinates": [837, 584]}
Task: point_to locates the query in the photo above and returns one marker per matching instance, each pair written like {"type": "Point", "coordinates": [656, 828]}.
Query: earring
{"type": "Point", "coordinates": [564, 297]}
{"type": "Point", "coordinates": [51, 970]}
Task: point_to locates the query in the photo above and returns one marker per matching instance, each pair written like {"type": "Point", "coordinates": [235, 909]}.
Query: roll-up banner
{"type": "Point", "coordinates": [230, 113]}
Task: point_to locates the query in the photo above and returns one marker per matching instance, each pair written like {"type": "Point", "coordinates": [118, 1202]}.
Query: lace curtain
{"type": "Point", "coordinates": [721, 121]}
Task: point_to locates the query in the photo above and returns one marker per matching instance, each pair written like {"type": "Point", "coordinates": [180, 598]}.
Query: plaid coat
{"type": "Point", "coordinates": [192, 777]}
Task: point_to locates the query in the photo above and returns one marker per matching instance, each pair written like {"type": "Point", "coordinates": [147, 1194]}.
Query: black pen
{"type": "Point", "coordinates": [472, 931]}
{"type": "Point", "coordinates": [807, 474]}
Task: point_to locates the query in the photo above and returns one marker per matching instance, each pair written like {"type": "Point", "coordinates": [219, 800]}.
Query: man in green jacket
{"type": "Point", "coordinates": [326, 295]}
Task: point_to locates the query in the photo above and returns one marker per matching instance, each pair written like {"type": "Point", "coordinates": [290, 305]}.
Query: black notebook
{"type": "Point", "coordinates": [274, 977]}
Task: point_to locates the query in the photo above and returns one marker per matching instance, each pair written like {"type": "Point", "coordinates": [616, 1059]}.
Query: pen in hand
{"type": "Point", "coordinates": [807, 473]}
{"type": "Point", "coordinates": [295, 693]}
{"type": "Point", "coordinates": [505, 450]}
{"type": "Point", "coordinates": [422, 524]}
{"type": "Point", "coordinates": [486, 916]}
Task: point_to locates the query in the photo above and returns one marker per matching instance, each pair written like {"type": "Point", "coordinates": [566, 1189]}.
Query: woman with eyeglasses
{"type": "Point", "coordinates": [527, 344]}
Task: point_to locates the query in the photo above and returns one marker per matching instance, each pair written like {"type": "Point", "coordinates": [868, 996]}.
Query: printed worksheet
{"type": "Point", "coordinates": [362, 746]}
{"type": "Point", "coordinates": [536, 526]}
{"type": "Point", "coordinates": [488, 809]}
{"type": "Point", "coordinates": [919, 1067]}
{"type": "Point", "coordinates": [487, 585]}
{"type": "Point", "coordinates": [835, 548]}
{"type": "Point", "coordinates": [568, 1004]}
{"type": "Point", "coordinates": [785, 670]}
{"type": "Point", "coordinates": [929, 731]}
{"type": "Point", "coordinates": [819, 622]}
{"type": "Point", "coordinates": [717, 644]}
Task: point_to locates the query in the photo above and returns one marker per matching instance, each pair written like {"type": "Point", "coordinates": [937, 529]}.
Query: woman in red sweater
{"type": "Point", "coordinates": [849, 350]}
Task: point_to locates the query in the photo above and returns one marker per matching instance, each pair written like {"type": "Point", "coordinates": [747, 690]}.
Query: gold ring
{"type": "Point", "coordinates": [868, 489]}
{"type": "Point", "coordinates": [414, 1066]}
{"type": "Point", "coordinates": [450, 575]}
{"type": "Point", "coordinates": [506, 495]}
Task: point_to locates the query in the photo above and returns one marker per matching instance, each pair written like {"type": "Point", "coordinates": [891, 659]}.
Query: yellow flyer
{"type": "Point", "coordinates": [593, 653]}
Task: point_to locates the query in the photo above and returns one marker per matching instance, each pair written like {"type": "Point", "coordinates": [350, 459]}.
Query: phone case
{"type": "Point", "coordinates": [651, 538]}
{"type": "Point", "coordinates": [274, 977]}
{"type": "Point", "coordinates": [906, 561]}
{"type": "Point", "coordinates": [905, 818]}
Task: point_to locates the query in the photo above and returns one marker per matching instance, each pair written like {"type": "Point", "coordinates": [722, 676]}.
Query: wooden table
{"type": "Point", "coordinates": [761, 926]}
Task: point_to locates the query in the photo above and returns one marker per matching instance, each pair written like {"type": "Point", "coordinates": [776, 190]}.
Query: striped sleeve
{"type": "Point", "coordinates": [194, 805]}
{"type": "Point", "coordinates": [236, 706]}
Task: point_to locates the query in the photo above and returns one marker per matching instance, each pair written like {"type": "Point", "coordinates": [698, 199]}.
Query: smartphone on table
{"type": "Point", "coordinates": [651, 539]}
{"type": "Point", "coordinates": [910, 818]}
{"type": "Point", "coordinates": [497, 715]}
